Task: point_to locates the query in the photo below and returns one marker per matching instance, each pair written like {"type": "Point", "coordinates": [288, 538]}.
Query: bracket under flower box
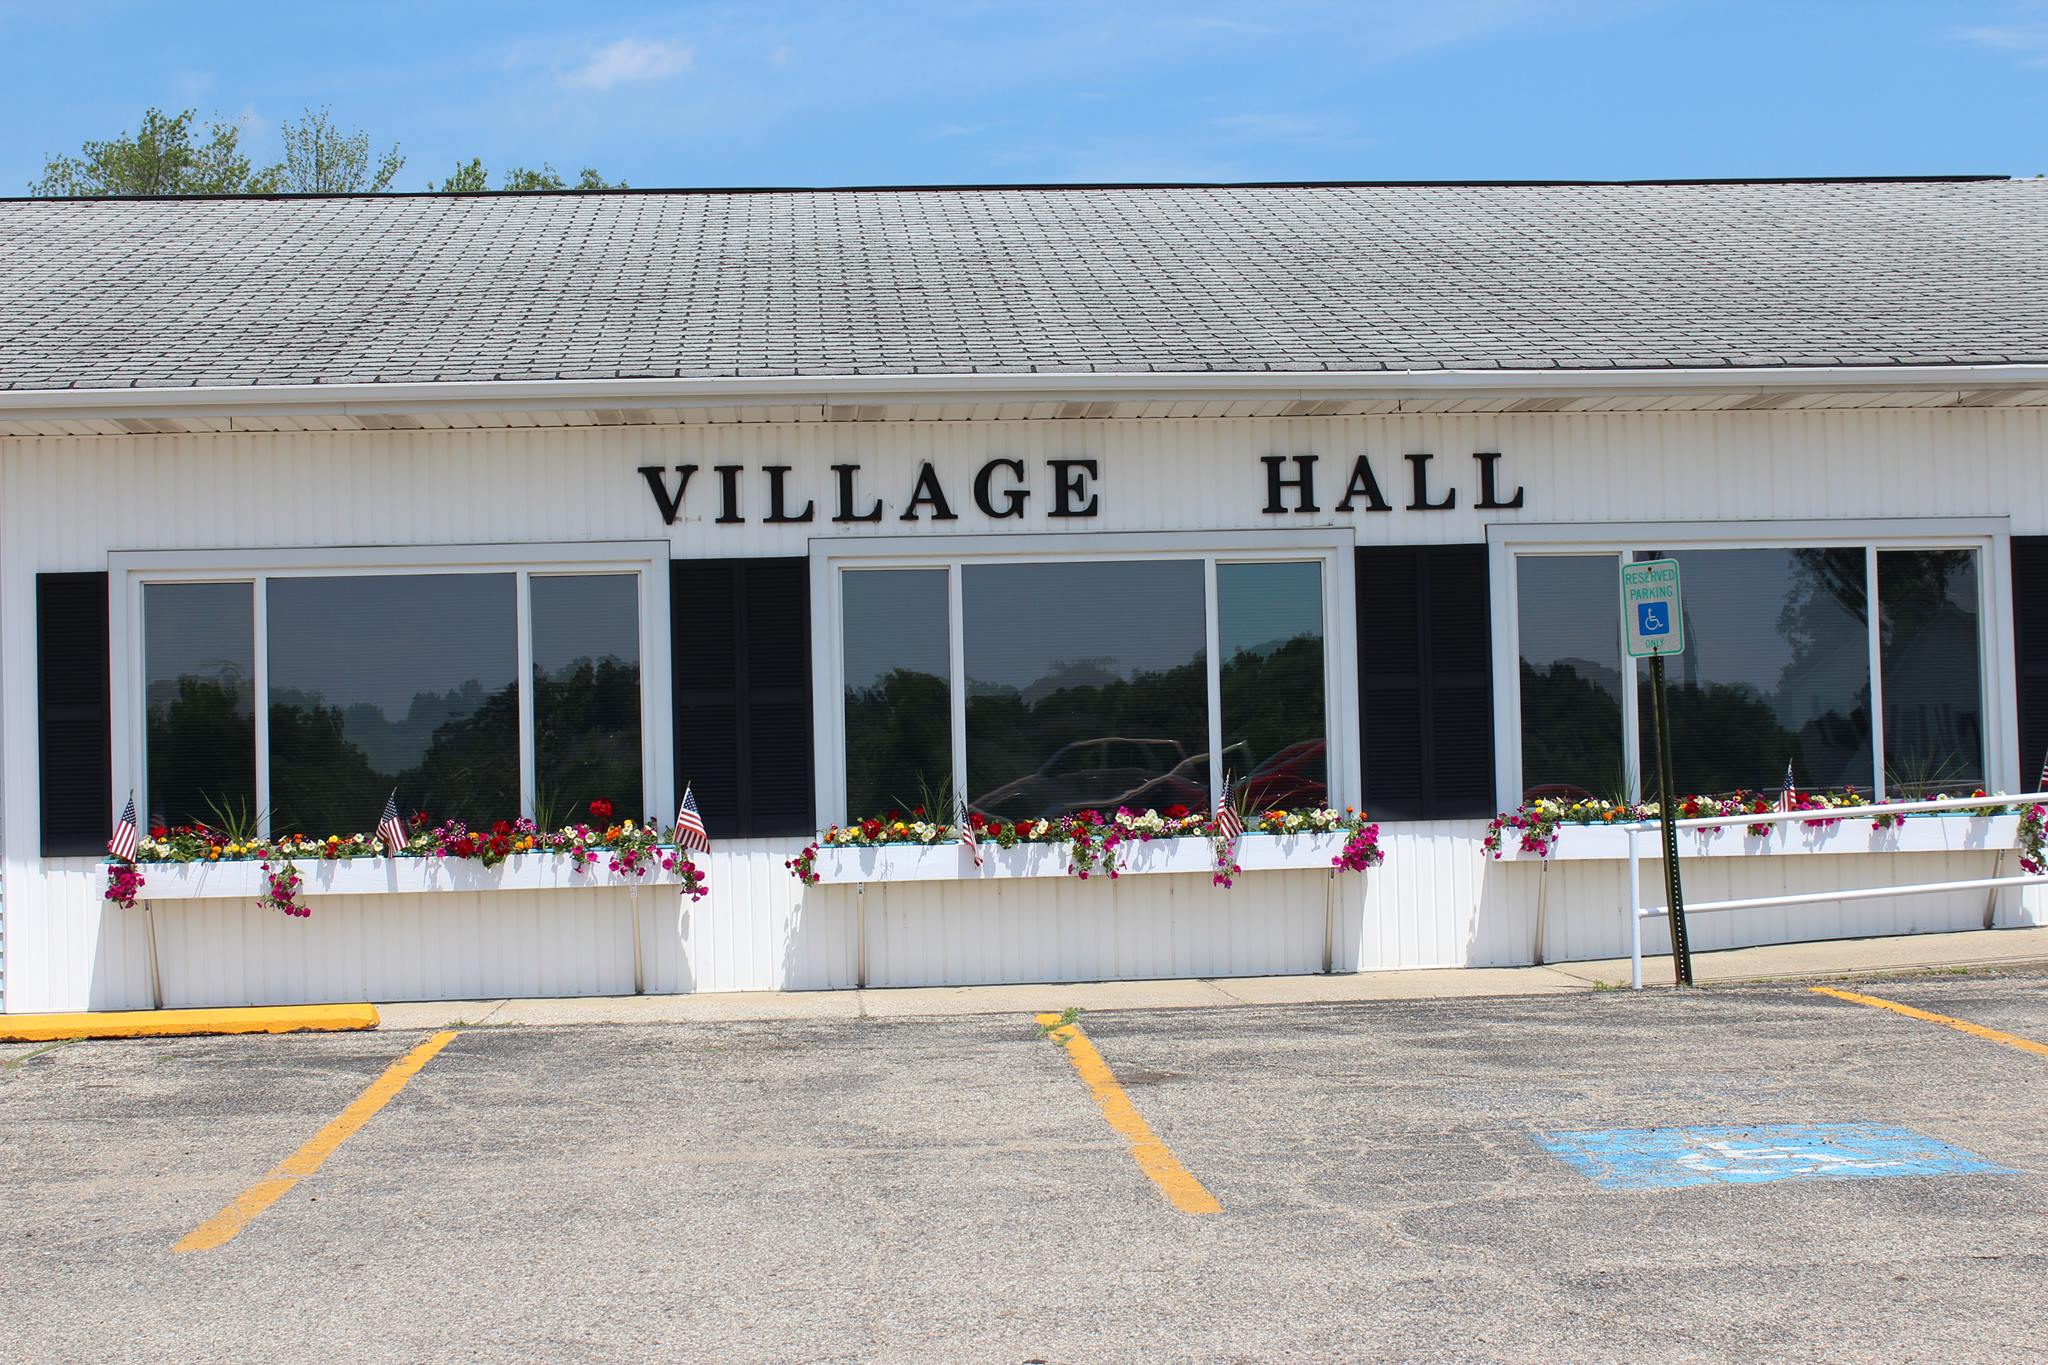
{"type": "Point", "coordinates": [1850, 834]}
{"type": "Point", "coordinates": [243, 879]}
{"type": "Point", "coordinates": [849, 863]}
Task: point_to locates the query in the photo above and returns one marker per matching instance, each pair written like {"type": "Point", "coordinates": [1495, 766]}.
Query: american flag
{"type": "Point", "coordinates": [1785, 795]}
{"type": "Point", "coordinates": [2042, 785]}
{"type": "Point", "coordinates": [1228, 824]}
{"type": "Point", "coordinates": [968, 836]}
{"type": "Point", "coordinates": [690, 825]}
{"type": "Point", "coordinates": [390, 828]}
{"type": "Point", "coordinates": [122, 845]}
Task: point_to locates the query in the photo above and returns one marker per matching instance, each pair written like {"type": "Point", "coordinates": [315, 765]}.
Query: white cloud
{"type": "Point", "coordinates": [2028, 41]}
{"type": "Point", "coordinates": [779, 57]}
{"type": "Point", "coordinates": [630, 60]}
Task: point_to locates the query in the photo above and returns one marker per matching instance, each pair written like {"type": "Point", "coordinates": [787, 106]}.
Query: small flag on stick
{"type": "Point", "coordinates": [2042, 784]}
{"type": "Point", "coordinates": [391, 829]}
{"type": "Point", "coordinates": [690, 824]}
{"type": "Point", "coordinates": [122, 845]}
{"type": "Point", "coordinates": [1229, 824]}
{"type": "Point", "coordinates": [1785, 795]}
{"type": "Point", "coordinates": [968, 835]}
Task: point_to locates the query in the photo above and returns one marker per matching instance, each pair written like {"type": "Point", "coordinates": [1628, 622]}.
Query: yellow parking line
{"type": "Point", "coordinates": [1153, 1156]}
{"type": "Point", "coordinates": [1976, 1030]}
{"type": "Point", "coordinates": [246, 1206]}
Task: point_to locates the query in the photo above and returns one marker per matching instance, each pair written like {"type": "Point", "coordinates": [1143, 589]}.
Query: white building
{"type": "Point", "coordinates": [827, 502]}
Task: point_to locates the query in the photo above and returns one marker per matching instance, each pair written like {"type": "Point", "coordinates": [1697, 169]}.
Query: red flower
{"type": "Point", "coordinates": [918, 811]}
{"type": "Point", "coordinates": [1176, 812]}
{"type": "Point", "coordinates": [157, 831]}
{"type": "Point", "coordinates": [601, 809]}
{"type": "Point", "coordinates": [502, 828]}
{"type": "Point", "coordinates": [994, 829]}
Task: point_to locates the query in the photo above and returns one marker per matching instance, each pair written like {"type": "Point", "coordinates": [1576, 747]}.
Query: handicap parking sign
{"type": "Point", "coordinates": [1652, 613]}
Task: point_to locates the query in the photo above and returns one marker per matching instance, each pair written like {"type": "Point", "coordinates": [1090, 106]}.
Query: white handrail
{"type": "Point", "coordinates": [1638, 912]}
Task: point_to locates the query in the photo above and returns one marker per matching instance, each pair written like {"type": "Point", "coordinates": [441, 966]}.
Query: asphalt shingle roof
{"type": "Point", "coordinates": [166, 293]}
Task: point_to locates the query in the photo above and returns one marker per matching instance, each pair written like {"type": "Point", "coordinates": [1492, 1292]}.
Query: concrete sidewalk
{"type": "Point", "coordinates": [1855, 957]}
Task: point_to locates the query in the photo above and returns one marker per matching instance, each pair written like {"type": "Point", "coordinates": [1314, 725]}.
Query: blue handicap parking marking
{"type": "Point", "coordinates": [1653, 618]}
{"type": "Point", "coordinates": [1671, 1158]}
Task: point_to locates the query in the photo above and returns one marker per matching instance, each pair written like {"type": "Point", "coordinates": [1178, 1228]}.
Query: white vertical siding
{"type": "Point", "coordinates": [66, 502]}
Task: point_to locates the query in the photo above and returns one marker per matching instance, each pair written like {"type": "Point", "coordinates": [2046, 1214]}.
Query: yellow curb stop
{"type": "Point", "coordinates": [47, 1028]}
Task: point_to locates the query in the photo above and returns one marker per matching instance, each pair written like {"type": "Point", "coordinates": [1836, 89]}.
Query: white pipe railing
{"type": "Point", "coordinates": [1638, 912]}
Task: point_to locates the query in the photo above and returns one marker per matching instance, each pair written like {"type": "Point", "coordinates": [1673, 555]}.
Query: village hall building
{"type": "Point", "coordinates": [837, 505]}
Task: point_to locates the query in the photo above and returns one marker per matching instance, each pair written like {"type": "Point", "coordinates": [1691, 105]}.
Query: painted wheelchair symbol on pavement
{"type": "Point", "coordinates": [1672, 1158]}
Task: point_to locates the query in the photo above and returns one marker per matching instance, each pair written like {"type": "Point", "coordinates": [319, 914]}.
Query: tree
{"type": "Point", "coordinates": [472, 178]}
{"type": "Point", "coordinates": [162, 158]}
{"type": "Point", "coordinates": [321, 159]}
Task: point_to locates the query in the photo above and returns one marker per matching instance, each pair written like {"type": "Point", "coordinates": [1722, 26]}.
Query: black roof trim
{"type": "Point", "coordinates": [1042, 186]}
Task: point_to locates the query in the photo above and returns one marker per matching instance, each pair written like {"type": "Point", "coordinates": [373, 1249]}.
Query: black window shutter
{"type": "Point", "coordinates": [1425, 675]}
{"type": "Point", "coordinates": [74, 714]}
{"type": "Point", "coordinates": [741, 651]}
{"type": "Point", "coordinates": [2030, 643]}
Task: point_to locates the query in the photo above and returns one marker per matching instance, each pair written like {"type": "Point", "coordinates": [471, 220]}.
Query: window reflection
{"type": "Point", "coordinates": [586, 696]}
{"type": "Point", "coordinates": [1933, 690]}
{"type": "Point", "coordinates": [1776, 669]}
{"type": "Point", "coordinates": [899, 705]}
{"type": "Point", "coordinates": [382, 681]}
{"type": "Point", "coordinates": [199, 662]}
{"type": "Point", "coordinates": [1086, 686]}
{"type": "Point", "coordinates": [1270, 633]}
{"type": "Point", "coordinates": [1568, 616]}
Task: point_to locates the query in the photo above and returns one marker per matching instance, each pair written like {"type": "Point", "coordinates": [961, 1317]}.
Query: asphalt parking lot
{"type": "Point", "coordinates": [953, 1189]}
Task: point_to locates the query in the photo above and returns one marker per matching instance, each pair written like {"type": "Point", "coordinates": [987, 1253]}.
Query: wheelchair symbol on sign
{"type": "Point", "coordinates": [1653, 618]}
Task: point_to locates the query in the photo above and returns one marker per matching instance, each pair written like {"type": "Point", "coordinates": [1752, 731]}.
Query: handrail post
{"type": "Point", "coordinates": [1635, 914]}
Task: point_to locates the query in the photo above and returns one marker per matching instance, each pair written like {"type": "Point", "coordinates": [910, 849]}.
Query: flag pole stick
{"type": "Point", "coordinates": [860, 935]}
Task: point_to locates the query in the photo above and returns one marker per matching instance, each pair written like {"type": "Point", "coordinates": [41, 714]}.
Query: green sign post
{"type": "Point", "coordinates": [1652, 626]}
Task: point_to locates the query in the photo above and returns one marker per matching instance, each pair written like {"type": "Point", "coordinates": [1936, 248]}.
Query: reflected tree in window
{"type": "Point", "coordinates": [1270, 628]}
{"type": "Point", "coordinates": [586, 696]}
{"type": "Point", "coordinates": [1569, 627]}
{"type": "Point", "coordinates": [383, 681]}
{"type": "Point", "coordinates": [1929, 651]}
{"type": "Point", "coordinates": [899, 703]}
{"type": "Point", "coordinates": [199, 664]}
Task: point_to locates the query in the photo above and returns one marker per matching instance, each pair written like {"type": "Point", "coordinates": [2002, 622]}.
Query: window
{"type": "Point", "coordinates": [1071, 707]}
{"type": "Point", "coordinates": [899, 680]}
{"type": "Point", "coordinates": [1570, 670]}
{"type": "Point", "coordinates": [199, 678]}
{"type": "Point", "coordinates": [301, 692]}
{"type": "Point", "coordinates": [586, 695]}
{"type": "Point", "coordinates": [1270, 627]}
{"type": "Point", "coordinates": [1858, 663]}
{"type": "Point", "coordinates": [1037, 684]}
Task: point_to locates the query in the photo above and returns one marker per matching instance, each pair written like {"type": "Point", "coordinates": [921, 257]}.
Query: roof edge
{"type": "Point", "coordinates": [970, 187]}
{"type": "Point", "coordinates": [566, 394]}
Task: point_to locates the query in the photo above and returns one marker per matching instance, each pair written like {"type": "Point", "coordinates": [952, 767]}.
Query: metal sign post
{"type": "Point", "coordinates": [1653, 625]}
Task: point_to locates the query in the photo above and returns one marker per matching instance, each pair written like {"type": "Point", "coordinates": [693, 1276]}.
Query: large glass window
{"type": "Point", "coordinates": [1777, 670]}
{"type": "Point", "coordinates": [405, 681]}
{"type": "Point", "coordinates": [366, 684]}
{"type": "Point", "coordinates": [899, 682]}
{"type": "Point", "coordinates": [1775, 673]}
{"type": "Point", "coordinates": [1087, 686]}
{"type": "Point", "coordinates": [199, 670]}
{"type": "Point", "coordinates": [1269, 620]}
{"type": "Point", "coordinates": [586, 695]}
{"type": "Point", "coordinates": [1933, 681]}
{"type": "Point", "coordinates": [1571, 677]}
{"type": "Point", "coordinates": [1040, 687]}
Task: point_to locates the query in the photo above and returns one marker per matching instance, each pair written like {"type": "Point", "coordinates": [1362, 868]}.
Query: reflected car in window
{"type": "Point", "coordinates": [1102, 774]}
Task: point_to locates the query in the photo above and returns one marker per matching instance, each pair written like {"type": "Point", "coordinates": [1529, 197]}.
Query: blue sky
{"type": "Point", "coordinates": [846, 93]}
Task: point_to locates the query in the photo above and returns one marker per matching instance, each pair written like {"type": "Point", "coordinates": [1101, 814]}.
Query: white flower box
{"type": "Point", "coordinates": [388, 876]}
{"type": "Point", "coordinates": [1915, 834]}
{"type": "Point", "coordinates": [951, 862]}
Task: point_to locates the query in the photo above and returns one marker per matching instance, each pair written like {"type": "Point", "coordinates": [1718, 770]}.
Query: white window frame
{"type": "Point", "coordinates": [1990, 536]}
{"type": "Point", "coordinates": [1332, 549]}
{"type": "Point", "coordinates": [129, 571]}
